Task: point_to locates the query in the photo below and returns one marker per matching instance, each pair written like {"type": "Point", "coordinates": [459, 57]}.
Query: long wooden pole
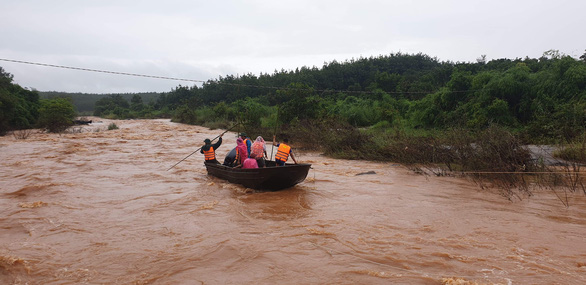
{"type": "Point", "coordinates": [201, 147]}
{"type": "Point", "coordinates": [274, 132]}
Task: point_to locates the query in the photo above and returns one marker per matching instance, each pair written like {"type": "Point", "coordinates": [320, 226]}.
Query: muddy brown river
{"type": "Point", "coordinates": [100, 207]}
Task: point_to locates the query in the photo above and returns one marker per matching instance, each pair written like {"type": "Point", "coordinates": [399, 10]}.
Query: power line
{"type": "Point", "coordinates": [101, 71]}
{"type": "Point", "coordinates": [222, 83]}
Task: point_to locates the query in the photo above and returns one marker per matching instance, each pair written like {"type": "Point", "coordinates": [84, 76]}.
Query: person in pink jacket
{"type": "Point", "coordinates": [241, 152]}
{"type": "Point", "coordinates": [249, 163]}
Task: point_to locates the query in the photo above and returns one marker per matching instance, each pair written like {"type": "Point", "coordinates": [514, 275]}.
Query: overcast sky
{"type": "Point", "coordinates": [202, 40]}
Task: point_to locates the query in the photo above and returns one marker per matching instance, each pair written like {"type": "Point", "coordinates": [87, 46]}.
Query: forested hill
{"type": "Point", "coordinates": [84, 103]}
{"type": "Point", "coordinates": [540, 98]}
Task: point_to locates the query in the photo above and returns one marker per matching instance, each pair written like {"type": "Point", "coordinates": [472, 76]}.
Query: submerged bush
{"type": "Point", "coordinates": [56, 115]}
{"type": "Point", "coordinates": [112, 126]}
{"type": "Point", "coordinates": [22, 134]}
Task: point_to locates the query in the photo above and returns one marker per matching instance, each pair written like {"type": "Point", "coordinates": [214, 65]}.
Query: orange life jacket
{"type": "Point", "coordinates": [283, 152]}
{"type": "Point", "coordinates": [210, 154]}
{"type": "Point", "coordinates": [245, 141]}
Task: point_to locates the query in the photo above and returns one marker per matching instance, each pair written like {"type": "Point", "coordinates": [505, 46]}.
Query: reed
{"type": "Point", "coordinates": [22, 134]}
{"type": "Point", "coordinates": [493, 158]}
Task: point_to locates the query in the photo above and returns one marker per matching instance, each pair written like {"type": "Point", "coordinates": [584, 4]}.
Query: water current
{"type": "Point", "coordinates": [100, 207]}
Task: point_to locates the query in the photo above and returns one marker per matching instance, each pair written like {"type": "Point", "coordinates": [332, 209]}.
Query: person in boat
{"type": "Point", "coordinates": [230, 158]}
{"type": "Point", "coordinates": [259, 151]}
{"type": "Point", "coordinates": [209, 150]}
{"type": "Point", "coordinates": [247, 142]}
{"type": "Point", "coordinates": [241, 152]}
{"type": "Point", "coordinates": [283, 152]}
{"type": "Point", "coordinates": [249, 163]}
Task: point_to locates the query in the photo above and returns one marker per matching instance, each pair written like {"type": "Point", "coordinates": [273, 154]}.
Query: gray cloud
{"type": "Point", "coordinates": [205, 39]}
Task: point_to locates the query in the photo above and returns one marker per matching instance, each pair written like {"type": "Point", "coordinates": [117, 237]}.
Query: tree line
{"type": "Point", "coordinates": [85, 102]}
{"type": "Point", "coordinates": [24, 108]}
{"type": "Point", "coordinates": [541, 99]}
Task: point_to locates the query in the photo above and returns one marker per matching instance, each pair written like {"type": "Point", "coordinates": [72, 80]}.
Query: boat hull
{"type": "Point", "coordinates": [266, 178]}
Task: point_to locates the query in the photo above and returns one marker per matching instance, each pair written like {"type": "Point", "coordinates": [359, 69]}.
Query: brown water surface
{"type": "Point", "coordinates": [100, 207]}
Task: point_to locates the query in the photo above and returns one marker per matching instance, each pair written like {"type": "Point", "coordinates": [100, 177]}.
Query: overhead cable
{"type": "Point", "coordinates": [101, 71]}
{"type": "Point", "coordinates": [223, 83]}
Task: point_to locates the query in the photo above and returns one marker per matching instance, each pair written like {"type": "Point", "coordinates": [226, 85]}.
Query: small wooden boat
{"type": "Point", "coordinates": [271, 177]}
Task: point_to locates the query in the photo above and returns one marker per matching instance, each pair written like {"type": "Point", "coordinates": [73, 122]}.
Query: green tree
{"type": "Point", "coordinates": [112, 104]}
{"type": "Point", "coordinates": [136, 103]}
{"type": "Point", "coordinates": [184, 114]}
{"type": "Point", "coordinates": [498, 112]}
{"type": "Point", "coordinates": [56, 115]}
{"type": "Point", "coordinates": [7, 110]}
{"type": "Point", "coordinates": [18, 106]}
{"type": "Point", "coordinates": [387, 82]}
{"type": "Point", "coordinates": [297, 103]}
{"type": "Point", "coordinates": [427, 112]}
{"type": "Point", "coordinates": [251, 112]}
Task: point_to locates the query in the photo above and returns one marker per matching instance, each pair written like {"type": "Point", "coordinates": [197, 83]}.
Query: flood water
{"type": "Point", "coordinates": [100, 207]}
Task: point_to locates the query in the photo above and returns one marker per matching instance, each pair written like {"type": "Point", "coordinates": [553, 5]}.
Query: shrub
{"type": "Point", "coordinates": [112, 126]}
{"type": "Point", "coordinates": [22, 134]}
{"type": "Point", "coordinates": [56, 114]}
{"type": "Point", "coordinates": [184, 115]}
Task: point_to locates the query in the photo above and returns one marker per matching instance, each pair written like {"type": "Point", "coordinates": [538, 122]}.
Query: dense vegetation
{"type": "Point", "coordinates": [85, 103]}
{"type": "Point", "coordinates": [21, 108]}
{"type": "Point", "coordinates": [18, 106]}
{"type": "Point", "coordinates": [56, 115]}
{"type": "Point", "coordinates": [541, 100]}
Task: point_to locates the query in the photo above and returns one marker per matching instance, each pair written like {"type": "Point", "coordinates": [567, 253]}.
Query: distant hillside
{"type": "Point", "coordinates": [85, 102]}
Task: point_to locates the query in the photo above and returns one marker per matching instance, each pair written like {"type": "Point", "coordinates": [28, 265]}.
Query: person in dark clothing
{"type": "Point", "coordinates": [230, 158]}
{"type": "Point", "coordinates": [209, 150]}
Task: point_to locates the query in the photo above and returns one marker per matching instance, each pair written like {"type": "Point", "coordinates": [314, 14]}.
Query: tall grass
{"type": "Point", "coordinates": [493, 158]}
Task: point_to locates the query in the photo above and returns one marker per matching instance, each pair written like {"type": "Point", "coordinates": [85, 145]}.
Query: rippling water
{"type": "Point", "coordinates": [101, 207]}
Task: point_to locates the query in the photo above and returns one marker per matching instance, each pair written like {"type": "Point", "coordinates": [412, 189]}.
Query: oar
{"type": "Point", "coordinates": [202, 146]}
{"type": "Point", "coordinates": [275, 132]}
